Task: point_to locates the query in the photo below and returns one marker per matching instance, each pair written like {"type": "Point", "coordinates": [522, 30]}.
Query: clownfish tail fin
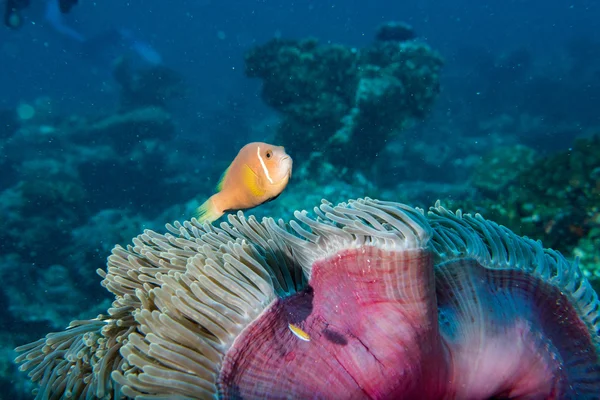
{"type": "Point", "coordinates": [208, 212]}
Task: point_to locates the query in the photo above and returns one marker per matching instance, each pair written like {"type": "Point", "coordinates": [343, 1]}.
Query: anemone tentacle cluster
{"type": "Point", "coordinates": [365, 299]}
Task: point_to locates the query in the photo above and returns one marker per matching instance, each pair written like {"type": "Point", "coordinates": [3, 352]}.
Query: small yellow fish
{"type": "Point", "coordinates": [258, 174]}
{"type": "Point", "coordinates": [300, 334]}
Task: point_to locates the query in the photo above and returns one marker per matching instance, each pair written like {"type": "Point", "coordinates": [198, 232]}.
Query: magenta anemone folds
{"type": "Point", "coordinates": [366, 314]}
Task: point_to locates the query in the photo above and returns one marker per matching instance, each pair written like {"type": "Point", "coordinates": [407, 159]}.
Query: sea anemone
{"type": "Point", "coordinates": [366, 299]}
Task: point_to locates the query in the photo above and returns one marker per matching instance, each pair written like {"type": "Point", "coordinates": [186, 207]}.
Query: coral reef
{"type": "Point", "coordinates": [71, 187]}
{"type": "Point", "coordinates": [235, 311]}
{"type": "Point", "coordinates": [502, 166]}
{"type": "Point", "coordinates": [552, 198]}
{"type": "Point", "coordinates": [342, 105]}
{"type": "Point", "coordinates": [555, 197]}
{"type": "Point", "coordinates": [65, 174]}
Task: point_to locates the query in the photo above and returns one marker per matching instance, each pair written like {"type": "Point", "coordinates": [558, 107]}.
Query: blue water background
{"type": "Point", "coordinates": [38, 62]}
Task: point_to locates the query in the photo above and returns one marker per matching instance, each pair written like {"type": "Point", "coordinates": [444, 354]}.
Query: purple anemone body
{"type": "Point", "coordinates": [511, 336]}
{"type": "Point", "coordinates": [383, 325]}
{"type": "Point", "coordinates": [372, 336]}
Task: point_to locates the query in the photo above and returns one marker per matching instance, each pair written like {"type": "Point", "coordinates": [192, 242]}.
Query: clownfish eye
{"type": "Point", "coordinates": [269, 153]}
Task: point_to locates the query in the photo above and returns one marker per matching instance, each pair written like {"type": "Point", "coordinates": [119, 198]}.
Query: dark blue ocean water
{"type": "Point", "coordinates": [38, 62]}
{"type": "Point", "coordinates": [519, 76]}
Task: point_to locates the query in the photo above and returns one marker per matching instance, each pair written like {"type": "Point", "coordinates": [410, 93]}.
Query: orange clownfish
{"type": "Point", "coordinates": [258, 174]}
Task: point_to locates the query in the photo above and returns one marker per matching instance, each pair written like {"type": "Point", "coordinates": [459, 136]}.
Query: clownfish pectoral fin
{"type": "Point", "coordinates": [222, 179]}
{"type": "Point", "coordinates": [251, 181]}
{"type": "Point", "coordinates": [299, 333]}
{"type": "Point", "coordinates": [207, 212]}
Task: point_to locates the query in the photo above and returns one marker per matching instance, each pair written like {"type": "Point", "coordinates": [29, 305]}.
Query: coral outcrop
{"type": "Point", "coordinates": [340, 104]}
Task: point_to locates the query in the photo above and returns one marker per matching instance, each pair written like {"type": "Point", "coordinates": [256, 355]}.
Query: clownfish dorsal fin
{"type": "Point", "coordinates": [251, 181]}
{"type": "Point", "coordinates": [222, 179]}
